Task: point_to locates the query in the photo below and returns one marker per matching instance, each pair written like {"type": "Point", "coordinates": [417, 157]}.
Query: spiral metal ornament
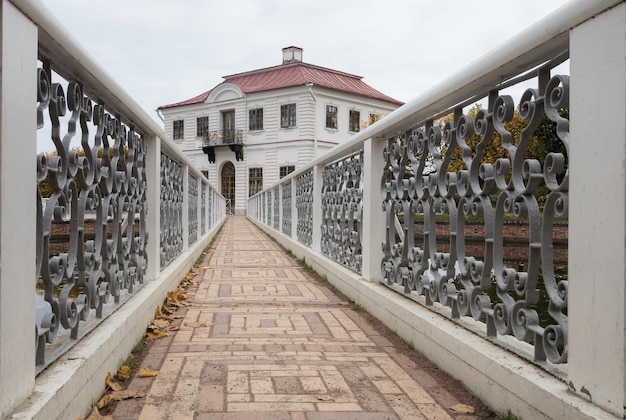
{"type": "Point", "coordinates": [91, 215]}
{"type": "Point", "coordinates": [429, 210]}
{"type": "Point", "coordinates": [276, 207]}
{"type": "Point", "coordinates": [192, 209]}
{"type": "Point", "coordinates": [342, 214]}
{"type": "Point", "coordinates": [171, 209]}
{"type": "Point", "coordinates": [304, 208]}
{"type": "Point", "coordinates": [286, 205]}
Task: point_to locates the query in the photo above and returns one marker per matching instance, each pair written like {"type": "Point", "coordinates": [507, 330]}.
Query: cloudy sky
{"type": "Point", "coordinates": [165, 51]}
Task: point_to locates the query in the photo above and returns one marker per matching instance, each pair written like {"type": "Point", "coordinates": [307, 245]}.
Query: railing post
{"type": "Point", "coordinates": [318, 181]}
{"type": "Point", "coordinates": [597, 229]}
{"type": "Point", "coordinates": [373, 216]}
{"type": "Point", "coordinates": [18, 140]}
{"type": "Point", "coordinates": [153, 199]}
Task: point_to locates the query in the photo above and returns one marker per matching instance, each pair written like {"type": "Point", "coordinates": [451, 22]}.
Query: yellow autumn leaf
{"type": "Point", "coordinates": [123, 373]}
{"type": "Point", "coordinates": [157, 312]}
{"type": "Point", "coordinates": [161, 323]}
{"type": "Point", "coordinates": [118, 396]}
{"type": "Point", "coordinates": [147, 373]}
{"type": "Point", "coordinates": [156, 334]}
{"type": "Point", "coordinates": [111, 383]}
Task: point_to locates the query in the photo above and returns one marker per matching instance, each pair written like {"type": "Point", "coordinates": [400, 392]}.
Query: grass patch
{"type": "Point", "coordinates": [509, 416]}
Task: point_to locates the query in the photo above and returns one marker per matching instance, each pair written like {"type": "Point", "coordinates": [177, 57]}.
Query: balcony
{"type": "Point", "coordinates": [231, 138]}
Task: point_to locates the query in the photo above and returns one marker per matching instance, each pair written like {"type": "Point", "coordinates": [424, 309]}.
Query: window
{"type": "Point", "coordinates": [355, 121]}
{"type": "Point", "coordinates": [179, 129]}
{"type": "Point", "coordinates": [256, 119]}
{"type": "Point", "coordinates": [202, 126]}
{"type": "Point", "coordinates": [255, 181]}
{"type": "Point", "coordinates": [331, 117]}
{"type": "Point", "coordinates": [286, 170]}
{"type": "Point", "coordinates": [288, 115]}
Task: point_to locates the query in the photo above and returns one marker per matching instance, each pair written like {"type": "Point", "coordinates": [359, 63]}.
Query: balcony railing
{"type": "Point", "coordinates": [223, 138]}
{"type": "Point", "coordinates": [392, 210]}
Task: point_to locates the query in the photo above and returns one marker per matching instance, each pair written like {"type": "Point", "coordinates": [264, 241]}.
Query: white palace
{"type": "Point", "coordinates": [255, 127]}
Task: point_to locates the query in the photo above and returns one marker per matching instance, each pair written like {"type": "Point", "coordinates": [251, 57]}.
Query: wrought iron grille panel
{"type": "Point", "coordinates": [203, 204]}
{"type": "Point", "coordinates": [304, 208]}
{"type": "Point", "coordinates": [91, 215]}
{"type": "Point", "coordinates": [527, 301]}
{"type": "Point", "coordinates": [342, 211]}
{"type": "Point", "coordinates": [171, 209]}
{"type": "Point", "coordinates": [262, 200]}
{"type": "Point", "coordinates": [286, 222]}
{"type": "Point", "coordinates": [276, 214]}
{"type": "Point", "coordinates": [211, 208]}
{"type": "Point", "coordinates": [192, 208]}
{"type": "Point", "coordinates": [268, 208]}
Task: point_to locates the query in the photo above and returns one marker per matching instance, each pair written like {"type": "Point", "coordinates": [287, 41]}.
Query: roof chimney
{"type": "Point", "coordinates": [292, 54]}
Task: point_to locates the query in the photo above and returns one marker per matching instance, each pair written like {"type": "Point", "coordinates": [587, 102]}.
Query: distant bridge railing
{"type": "Point", "coordinates": [119, 218]}
{"type": "Point", "coordinates": [497, 143]}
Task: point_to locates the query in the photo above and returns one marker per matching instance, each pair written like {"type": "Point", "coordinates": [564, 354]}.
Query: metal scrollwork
{"type": "Point", "coordinates": [286, 225]}
{"type": "Point", "coordinates": [304, 208]}
{"type": "Point", "coordinates": [91, 215]}
{"type": "Point", "coordinates": [203, 204]}
{"type": "Point", "coordinates": [527, 300]}
{"type": "Point", "coordinates": [342, 211]}
{"type": "Point", "coordinates": [276, 208]}
{"type": "Point", "coordinates": [192, 209]}
{"type": "Point", "coordinates": [171, 209]}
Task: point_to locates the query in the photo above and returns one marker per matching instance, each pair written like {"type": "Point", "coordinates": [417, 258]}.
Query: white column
{"type": "Point", "coordinates": [153, 198]}
{"type": "Point", "coordinates": [18, 149]}
{"type": "Point", "coordinates": [318, 181]}
{"type": "Point", "coordinates": [373, 215]}
{"type": "Point", "coordinates": [597, 229]}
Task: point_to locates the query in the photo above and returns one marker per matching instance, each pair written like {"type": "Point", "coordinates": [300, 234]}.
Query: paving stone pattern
{"type": "Point", "coordinates": [277, 345]}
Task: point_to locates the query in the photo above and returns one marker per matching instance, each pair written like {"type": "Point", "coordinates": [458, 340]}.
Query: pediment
{"type": "Point", "coordinates": [224, 92]}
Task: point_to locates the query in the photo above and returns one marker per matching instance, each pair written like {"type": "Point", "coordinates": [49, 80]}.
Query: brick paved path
{"type": "Point", "coordinates": [278, 345]}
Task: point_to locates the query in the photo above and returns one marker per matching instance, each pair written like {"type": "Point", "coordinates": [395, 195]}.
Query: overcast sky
{"type": "Point", "coordinates": [165, 51]}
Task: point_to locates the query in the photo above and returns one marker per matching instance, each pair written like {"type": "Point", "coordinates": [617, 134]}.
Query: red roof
{"type": "Point", "coordinates": [295, 74]}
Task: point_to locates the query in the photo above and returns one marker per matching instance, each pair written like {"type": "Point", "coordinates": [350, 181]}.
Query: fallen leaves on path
{"type": "Point", "coordinates": [123, 373]}
{"type": "Point", "coordinates": [119, 395]}
{"type": "Point", "coordinates": [147, 373]}
{"type": "Point", "coordinates": [156, 333]}
{"type": "Point", "coordinates": [110, 382]}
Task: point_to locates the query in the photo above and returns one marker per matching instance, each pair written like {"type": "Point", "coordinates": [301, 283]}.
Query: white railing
{"type": "Point", "coordinates": [535, 341]}
{"type": "Point", "coordinates": [120, 217]}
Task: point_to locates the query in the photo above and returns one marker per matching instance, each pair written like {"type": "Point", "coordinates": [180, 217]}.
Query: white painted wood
{"type": "Point", "coordinates": [18, 122]}
{"type": "Point", "coordinates": [373, 216]}
{"type": "Point", "coordinates": [597, 228]}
